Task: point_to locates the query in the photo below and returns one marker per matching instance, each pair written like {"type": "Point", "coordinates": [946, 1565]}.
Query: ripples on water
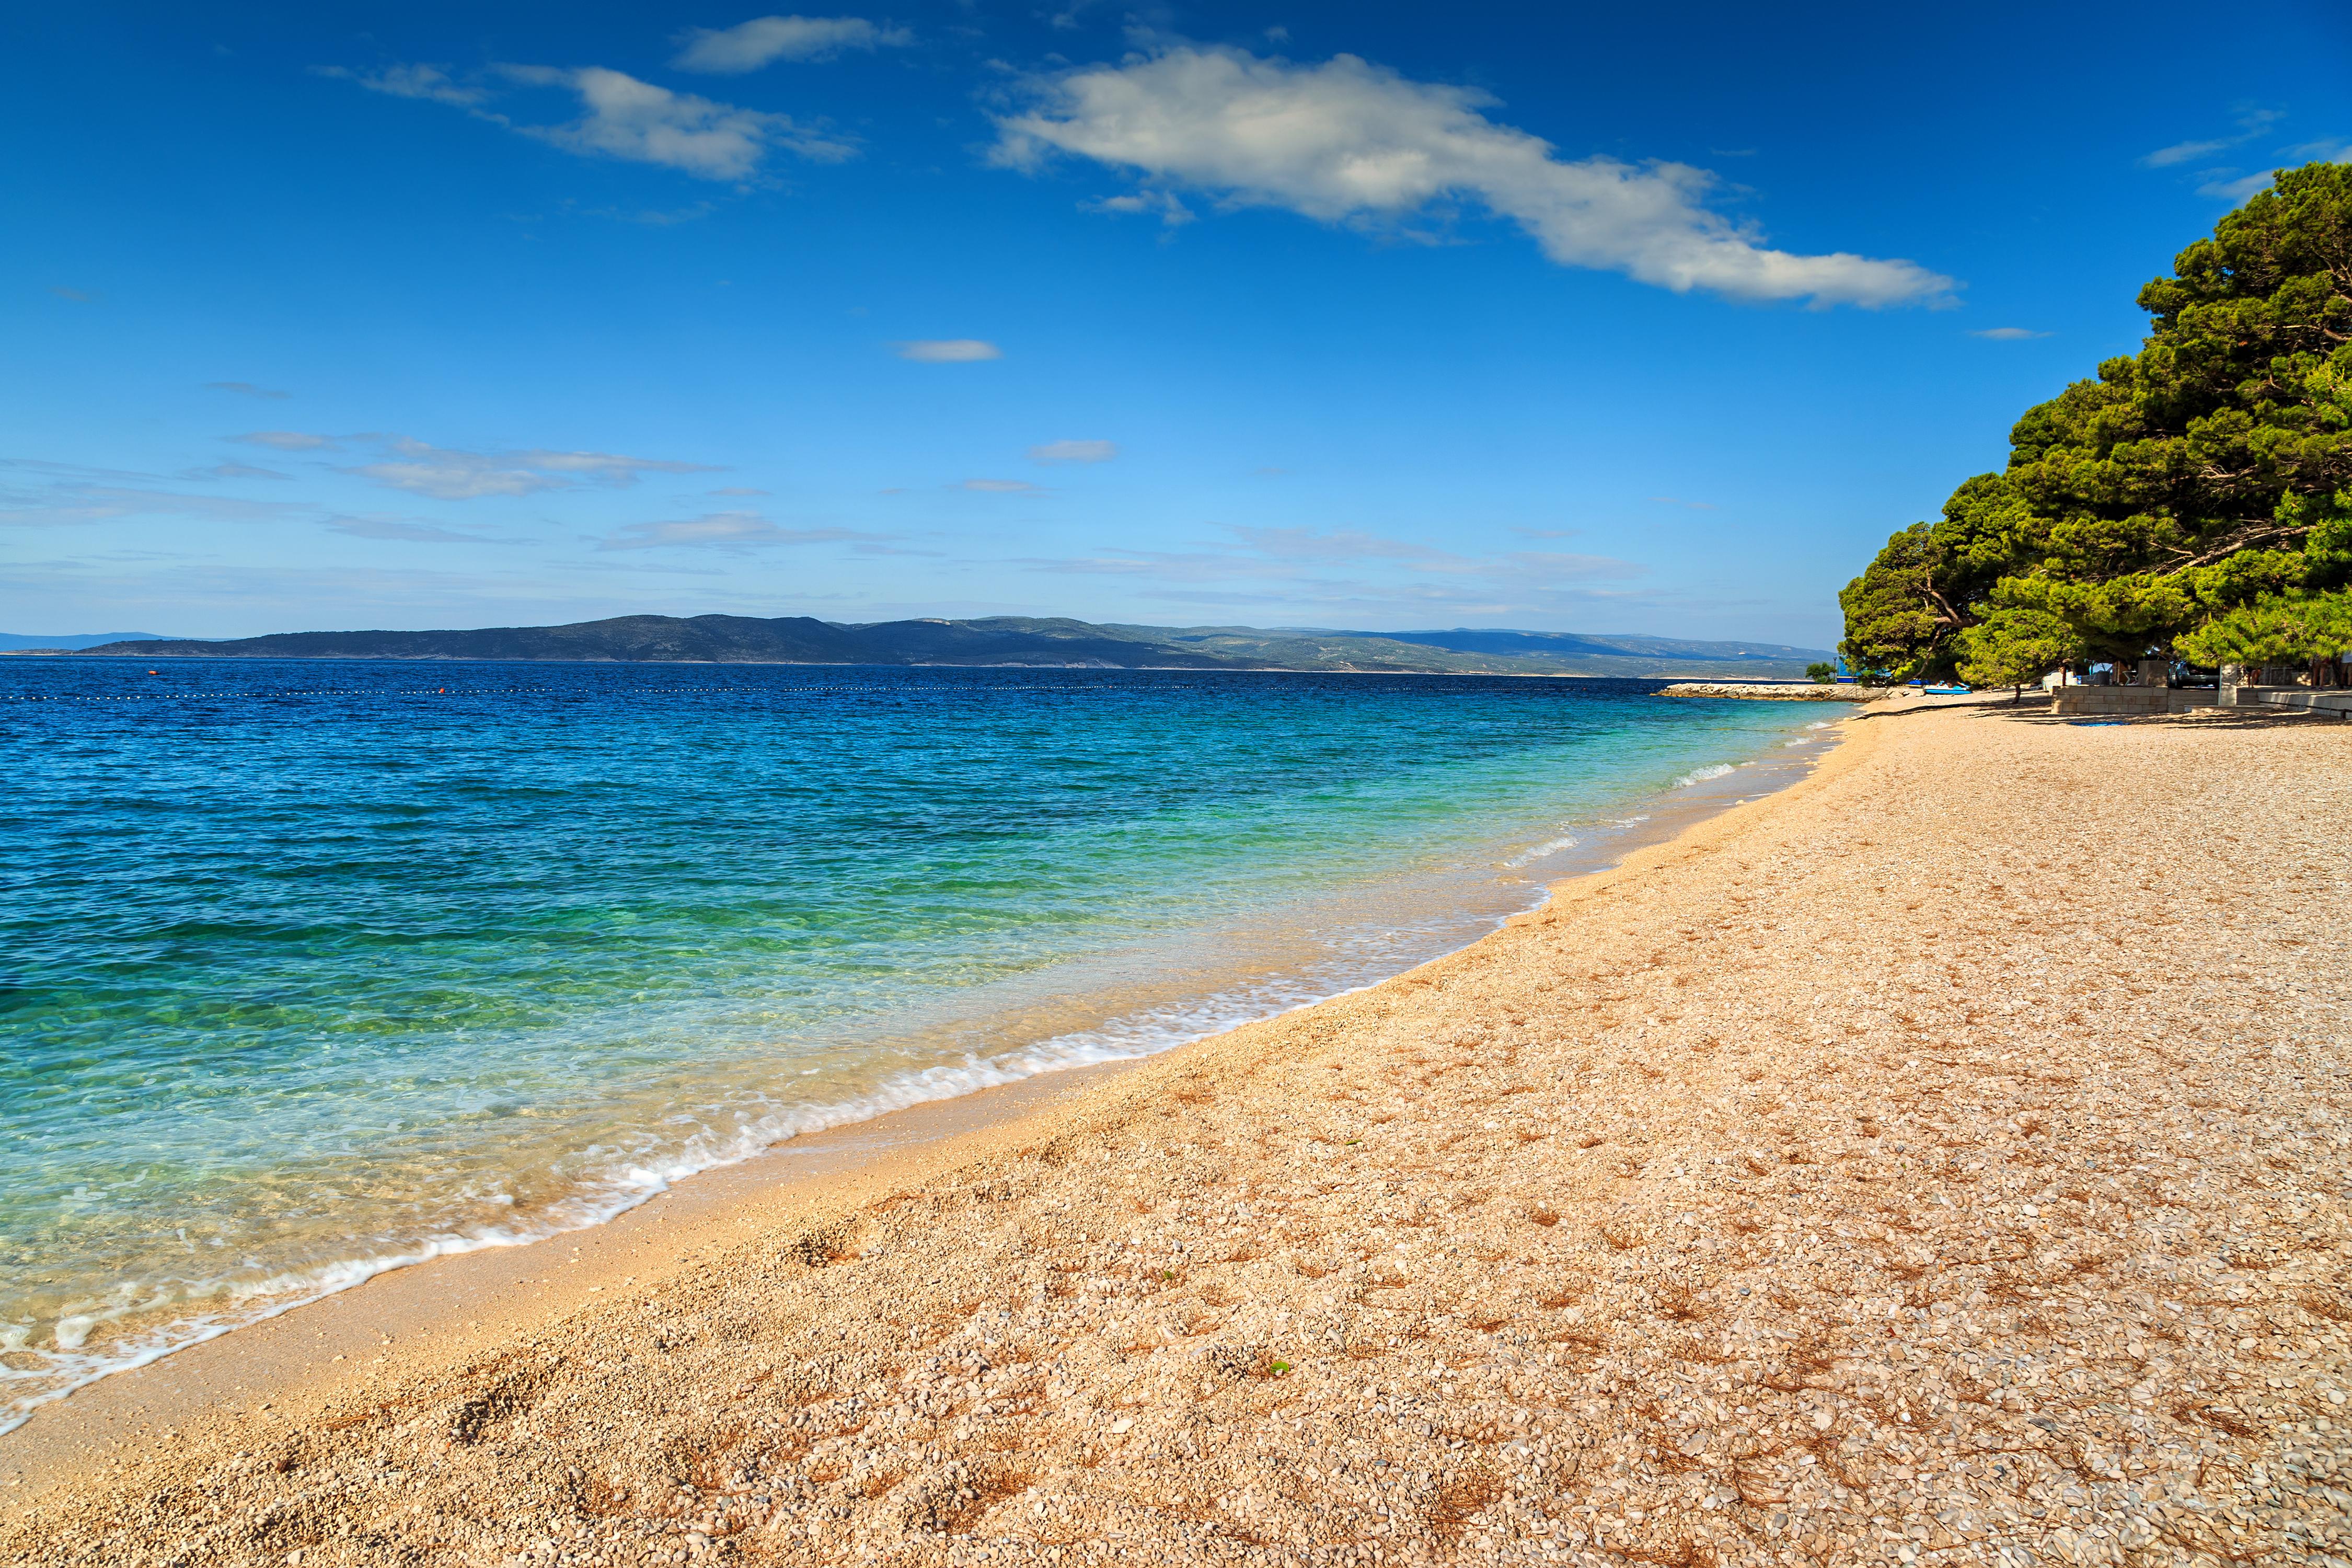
{"type": "Point", "coordinates": [314, 969]}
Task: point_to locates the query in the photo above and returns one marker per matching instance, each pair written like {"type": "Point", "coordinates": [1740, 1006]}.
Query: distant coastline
{"type": "Point", "coordinates": [1013, 642]}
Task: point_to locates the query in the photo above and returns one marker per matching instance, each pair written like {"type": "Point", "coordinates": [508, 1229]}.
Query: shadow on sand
{"type": "Point", "coordinates": [2034, 709]}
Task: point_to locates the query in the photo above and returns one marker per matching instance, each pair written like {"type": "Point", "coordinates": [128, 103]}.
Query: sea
{"type": "Point", "coordinates": [310, 970]}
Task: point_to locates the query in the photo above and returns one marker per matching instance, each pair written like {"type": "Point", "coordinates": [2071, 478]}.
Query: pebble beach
{"type": "Point", "coordinates": [1946, 1160]}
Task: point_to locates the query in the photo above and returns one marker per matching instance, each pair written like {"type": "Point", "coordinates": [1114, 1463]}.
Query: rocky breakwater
{"type": "Point", "coordinates": [1777, 691]}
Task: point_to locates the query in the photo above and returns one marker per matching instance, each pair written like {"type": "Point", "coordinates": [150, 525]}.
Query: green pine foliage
{"type": "Point", "coordinates": [2157, 509]}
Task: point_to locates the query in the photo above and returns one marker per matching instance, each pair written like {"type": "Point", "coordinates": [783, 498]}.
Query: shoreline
{"type": "Point", "coordinates": [1813, 1187]}
{"type": "Point", "coordinates": [816, 1165]}
{"type": "Point", "coordinates": [467, 1303]}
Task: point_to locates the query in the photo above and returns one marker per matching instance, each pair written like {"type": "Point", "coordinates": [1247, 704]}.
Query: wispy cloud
{"type": "Point", "coordinates": [82, 504]}
{"type": "Point", "coordinates": [947, 351]}
{"type": "Point", "coordinates": [245, 389]}
{"type": "Point", "coordinates": [2252, 123]}
{"type": "Point", "coordinates": [623, 117]}
{"type": "Point", "coordinates": [2187, 151]}
{"type": "Point", "coordinates": [404, 532]}
{"type": "Point", "coordinates": [1003, 486]}
{"type": "Point", "coordinates": [74, 504]}
{"type": "Point", "coordinates": [1166, 204]}
{"type": "Point", "coordinates": [1074, 452]}
{"type": "Point", "coordinates": [748, 46]}
{"type": "Point", "coordinates": [83, 472]}
{"type": "Point", "coordinates": [1329, 544]}
{"type": "Point", "coordinates": [2227, 182]}
{"type": "Point", "coordinates": [1349, 141]}
{"type": "Point", "coordinates": [1349, 567]}
{"type": "Point", "coordinates": [2326, 150]}
{"type": "Point", "coordinates": [727, 530]}
{"type": "Point", "coordinates": [2220, 187]}
{"type": "Point", "coordinates": [2007, 334]}
{"type": "Point", "coordinates": [236, 471]}
{"type": "Point", "coordinates": [79, 296]}
{"type": "Point", "coordinates": [434, 84]}
{"type": "Point", "coordinates": [652, 217]}
{"type": "Point", "coordinates": [445, 473]}
{"type": "Point", "coordinates": [736, 490]}
{"type": "Point", "coordinates": [288, 441]}
{"type": "Point", "coordinates": [1691, 505]}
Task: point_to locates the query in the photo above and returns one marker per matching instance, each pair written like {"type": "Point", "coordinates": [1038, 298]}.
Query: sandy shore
{"type": "Point", "coordinates": [1948, 1159]}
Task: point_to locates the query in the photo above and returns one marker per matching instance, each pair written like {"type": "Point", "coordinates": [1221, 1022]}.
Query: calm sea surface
{"type": "Point", "coordinates": [308, 969]}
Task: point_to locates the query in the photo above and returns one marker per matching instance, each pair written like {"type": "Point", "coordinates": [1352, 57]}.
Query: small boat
{"type": "Point", "coordinates": [1947, 691]}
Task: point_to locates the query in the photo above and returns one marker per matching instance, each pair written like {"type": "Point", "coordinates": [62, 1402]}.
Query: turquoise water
{"type": "Point", "coordinates": [314, 969]}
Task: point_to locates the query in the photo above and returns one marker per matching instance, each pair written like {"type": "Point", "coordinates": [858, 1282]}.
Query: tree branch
{"type": "Point", "coordinates": [1952, 618]}
{"type": "Point", "coordinates": [2240, 541]}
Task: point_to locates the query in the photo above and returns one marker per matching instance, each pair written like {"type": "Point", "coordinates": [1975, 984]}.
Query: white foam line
{"type": "Point", "coordinates": [1548, 848]}
{"type": "Point", "coordinates": [1158, 1030]}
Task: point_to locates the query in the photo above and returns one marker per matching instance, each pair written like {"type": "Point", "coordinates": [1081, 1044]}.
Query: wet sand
{"type": "Point", "coordinates": [1941, 1160]}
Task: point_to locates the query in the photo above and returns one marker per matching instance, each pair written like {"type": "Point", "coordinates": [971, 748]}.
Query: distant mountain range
{"type": "Point", "coordinates": [1012, 640]}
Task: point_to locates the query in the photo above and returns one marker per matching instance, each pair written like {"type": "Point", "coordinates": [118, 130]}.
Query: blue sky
{"type": "Point", "coordinates": [1604, 319]}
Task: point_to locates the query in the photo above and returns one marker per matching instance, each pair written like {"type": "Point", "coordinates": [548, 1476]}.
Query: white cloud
{"type": "Point", "coordinates": [736, 491]}
{"type": "Point", "coordinates": [1347, 139]}
{"type": "Point", "coordinates": [244, 389]}
{"type": "Point", "coordinates": [1074, 452]}
{"type": "Point", "coordinates": [948, 350]}
{"type": "Point", "coordinates": [632, 119]}
{"type": "Point", "coordinates": [748, 46]}
{"type": "Point", "coordinates": [1001, 487]}
{"type": "Point", "coordinates": [723, 530]}
{"type": "Point", "coordinates": [2007, 334]}
{"type": "Point", "coordinates": [79, 296]}
{"type": "Point", "coordinates": [288, 441]}
{"type": "Point", "coordinates": [446, 474]}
